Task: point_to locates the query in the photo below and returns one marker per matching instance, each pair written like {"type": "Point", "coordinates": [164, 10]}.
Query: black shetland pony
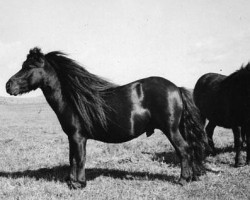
{"type": "Point", "coordinates": [89, 107]}
{"type": "Point", "coordinates": [225, 102]}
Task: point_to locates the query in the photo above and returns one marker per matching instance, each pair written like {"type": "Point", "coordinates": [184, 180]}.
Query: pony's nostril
{"type": "Point", "coordinates": [8, 85]}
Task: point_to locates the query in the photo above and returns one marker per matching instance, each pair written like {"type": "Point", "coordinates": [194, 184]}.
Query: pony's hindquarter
{"type": "Point", "coordinates": [178, 118]}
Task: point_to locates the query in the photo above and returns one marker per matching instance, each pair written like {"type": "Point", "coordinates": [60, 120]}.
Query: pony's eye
{"type": "Point", "coordinates": [29, 66]}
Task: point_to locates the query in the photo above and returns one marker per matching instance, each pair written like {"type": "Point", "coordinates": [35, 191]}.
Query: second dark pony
{"type": "Point", "coordinates": [89, 107]}
{"type": "Point", "coordinates": [225, 102]}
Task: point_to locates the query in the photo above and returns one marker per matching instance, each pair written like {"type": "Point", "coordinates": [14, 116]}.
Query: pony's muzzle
{"type": "Point", "coordinates": [10, 88]}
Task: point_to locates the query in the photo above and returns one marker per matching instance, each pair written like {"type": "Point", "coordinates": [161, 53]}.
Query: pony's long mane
{"type": "Point", "coordinates": [84, 90]}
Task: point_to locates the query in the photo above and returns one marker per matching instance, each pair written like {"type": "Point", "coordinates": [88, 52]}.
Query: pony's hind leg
{"type": "Point", "coordinates": [210, 131]}
{"type": "Point", "coordinates": [238, 145]}
{"type": "Point", "coordinates": [248, 149]}
{"type": "Point", "coordinates": [184, 152]}
{"type": "Point", "coordinates": [246, 131]}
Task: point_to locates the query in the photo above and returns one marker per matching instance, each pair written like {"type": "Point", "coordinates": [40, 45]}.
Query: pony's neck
{"type": "Point", "coordinates": [52, 91]}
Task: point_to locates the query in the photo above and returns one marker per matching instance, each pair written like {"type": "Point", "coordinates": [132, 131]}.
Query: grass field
{"type": "Point", "coordinates": [34, 163]}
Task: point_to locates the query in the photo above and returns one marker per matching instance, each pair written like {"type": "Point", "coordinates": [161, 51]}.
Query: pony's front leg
{"type": "Point", "coordinates": [77, 157]}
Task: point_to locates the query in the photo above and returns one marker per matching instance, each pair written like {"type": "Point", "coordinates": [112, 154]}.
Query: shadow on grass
{"type": "Point", "coordinates": [59, 173]}
{"type": "Point", "coordinates": [227, 149]}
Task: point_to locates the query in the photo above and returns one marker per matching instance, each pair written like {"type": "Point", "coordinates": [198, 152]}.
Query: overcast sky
{"type": "Point", "coordinates": [125, 40]}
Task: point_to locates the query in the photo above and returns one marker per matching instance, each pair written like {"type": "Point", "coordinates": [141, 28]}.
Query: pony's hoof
{"type": "Point", "coordinates": [239, 164]}
{"type": "Point", "coordinates": [183, 181]}
{"type": "Point", "coordinates": [210, 168]}
{"type": "Point", "coordinates": [74, 185]}
{"type": "Point", "coordinates": [195, 178]}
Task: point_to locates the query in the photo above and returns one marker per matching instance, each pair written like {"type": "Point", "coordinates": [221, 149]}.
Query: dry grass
{"type": "Point", "coordinates": [34, 163]}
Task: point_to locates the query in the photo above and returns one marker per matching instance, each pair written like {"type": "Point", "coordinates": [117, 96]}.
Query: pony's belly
{"type": "Point", "coordinates": [225, 120]}
{"type": "Point", "coordinates": [115, 136]}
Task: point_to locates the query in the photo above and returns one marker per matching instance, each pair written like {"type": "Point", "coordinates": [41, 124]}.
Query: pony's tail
{"type": "Point", "coordinates": [191, 127]}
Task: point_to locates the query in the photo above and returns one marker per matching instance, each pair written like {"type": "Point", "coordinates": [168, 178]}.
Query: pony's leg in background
{"type": "Point", "coordinates": [244, 138]}
{"type": "Point", "coordinates": [238, 145]}
{"type": "Point", "coordinates": [246, 131]}
{"type": "Point", "coordinates": [210, 131]}
{"type": "Point", "coordinates": [77, 157]}
{"type": "Point", "coordinates": [184, 152]}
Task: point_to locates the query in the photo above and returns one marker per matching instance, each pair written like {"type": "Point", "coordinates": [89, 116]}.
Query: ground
{"type": "Point", "coordinates": [34, 162]}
